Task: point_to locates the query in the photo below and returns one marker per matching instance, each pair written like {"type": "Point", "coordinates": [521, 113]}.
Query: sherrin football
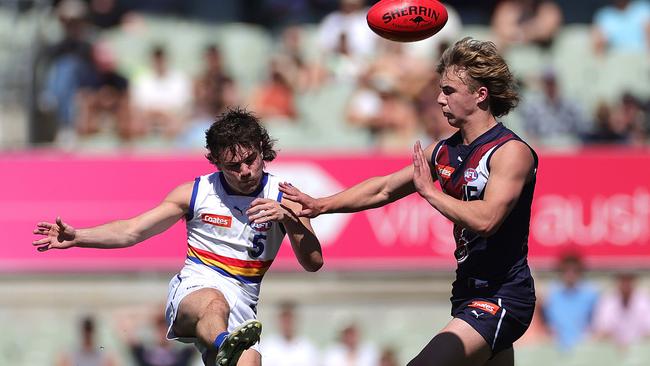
{"type": "Point", "coordinates": [407, 20]}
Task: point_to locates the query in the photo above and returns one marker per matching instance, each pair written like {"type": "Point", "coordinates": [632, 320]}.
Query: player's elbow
{"type": "Point", "coordinates": [488, 227]}
{"type": "Point", "coordinates": [485, 232]}
{"type": "Point", "coordinates": [131, 235]}
{"type": "Point", "coordinates": [313, 264]}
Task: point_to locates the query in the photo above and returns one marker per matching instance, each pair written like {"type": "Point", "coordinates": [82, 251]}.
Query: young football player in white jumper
{"type": "Point", "coordinates": [236, 220]}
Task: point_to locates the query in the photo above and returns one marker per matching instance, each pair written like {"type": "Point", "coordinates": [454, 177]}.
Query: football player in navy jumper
{"type": "Point", "coordinates": [487, 176]}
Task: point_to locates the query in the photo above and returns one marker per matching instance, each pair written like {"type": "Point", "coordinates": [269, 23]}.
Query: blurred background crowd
{"type": "Point", "coordinates": [151, 75]}
{"type": "Point", "coordinates": [575, 322]}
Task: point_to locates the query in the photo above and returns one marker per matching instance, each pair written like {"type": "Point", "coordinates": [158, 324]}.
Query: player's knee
{"type": "Point", "coordinates": [217, 306]}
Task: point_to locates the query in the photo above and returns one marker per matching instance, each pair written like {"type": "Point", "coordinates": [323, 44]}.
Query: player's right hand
{"type": "Point", "coordinates": [309, 204]}
{"type": "Point", "coordinates": [57, 236]}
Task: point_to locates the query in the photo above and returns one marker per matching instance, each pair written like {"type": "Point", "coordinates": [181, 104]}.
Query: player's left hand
{"type": "Point", "coordinates": [421, 172]}
{"type": "Point", "coordinates": [264, 210]}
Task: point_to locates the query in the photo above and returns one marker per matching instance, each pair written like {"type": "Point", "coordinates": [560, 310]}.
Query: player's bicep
{"type": "Point", "coordinates": [166, 214]}
{"type": "Point", "coordinates": [510, 168]}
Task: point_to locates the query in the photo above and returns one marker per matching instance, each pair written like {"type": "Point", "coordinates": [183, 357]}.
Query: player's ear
{"type": "Point", "coordinates": [215, 160]}
{"type": "Point", "coordinates": [482, 94]}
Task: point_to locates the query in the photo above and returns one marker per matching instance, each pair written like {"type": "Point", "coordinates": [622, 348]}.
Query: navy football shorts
{"type": "Point", "coordinates": [499, 321]}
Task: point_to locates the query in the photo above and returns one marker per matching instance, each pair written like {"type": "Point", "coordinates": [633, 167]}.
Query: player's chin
{"type": "Point", "coordinates": [248, 187]}
{"type": "Point", "coordinates": [453, 122]}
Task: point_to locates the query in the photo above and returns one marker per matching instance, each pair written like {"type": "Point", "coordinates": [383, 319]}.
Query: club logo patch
{"type": "Point", "coordinates": [486, 306]}
{"type": "Point", "coordinates": [444, 171]}
{"type": "Point", "coordinates": [471, 175]}
{"type": "Point", "coordinates": [461, 253]}
{"type": "Point", "coordinates": [217, 220]}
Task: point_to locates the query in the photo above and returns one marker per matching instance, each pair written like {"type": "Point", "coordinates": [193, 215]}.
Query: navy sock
{"type": "Point", "coordinates": [219, 340]}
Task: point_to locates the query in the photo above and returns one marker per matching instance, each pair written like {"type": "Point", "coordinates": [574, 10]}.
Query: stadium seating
{"type": "Point", "coordinates": [323, 111]}
{"type": "Point", "coordinates": [247, 49]}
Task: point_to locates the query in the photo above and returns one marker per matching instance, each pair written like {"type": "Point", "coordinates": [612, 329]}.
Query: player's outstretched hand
{"type": "Point", "coordinates": [57, 236]}
{"type": "Point", "coordinates": [309, 204]}
{"type": "Point", "coordinates": [421, 172]}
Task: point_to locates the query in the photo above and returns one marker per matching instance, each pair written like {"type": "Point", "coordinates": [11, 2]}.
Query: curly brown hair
{"type": "Point", "coordinates": [234, 128]}
{"type": "Point", "coordinates": [481, 61]}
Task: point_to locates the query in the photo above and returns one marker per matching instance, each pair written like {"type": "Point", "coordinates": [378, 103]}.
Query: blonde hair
{"type": "Point", "coordinates": [481, 61]}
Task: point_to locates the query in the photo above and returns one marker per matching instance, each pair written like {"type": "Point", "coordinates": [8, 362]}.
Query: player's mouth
{"type": "Point", "coordinates": [249, 182]}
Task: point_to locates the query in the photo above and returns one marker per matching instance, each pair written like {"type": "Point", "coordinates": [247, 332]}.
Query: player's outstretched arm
{"type": "Point", "coordinates": [511, 166]}
{"type": "Point", "coordinates": [120, 233]}
{"type": "Point", "coordinates": [371, 193]}
{"type": "Point", "coordinates": [303, 240]}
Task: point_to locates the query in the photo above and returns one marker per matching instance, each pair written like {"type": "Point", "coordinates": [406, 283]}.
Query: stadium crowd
{"type": "Point", "coordinates": [572, 311]}
{"type": "Point", "coordinates": [389, 88]}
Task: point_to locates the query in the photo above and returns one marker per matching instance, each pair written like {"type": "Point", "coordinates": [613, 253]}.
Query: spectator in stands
{"type": "Point", "coordinates": [89, 352]}
{"type": "Point", "coordinates": [569, 305]}
{"type": "Point", "coordinates": [365, 103]}
{"type": "Point", "coordinates": [390, 117]}
{"type": "Point", "coordinates": [550, 118]}
{"type": "Point", "coordinates": [434, 124]}
{"type": "Point", "coordinates": [304, 74]}
{"type": "Point", "coordinates": [157, 351]}
{"type": "Point", "coordinates": [622, 316]}
{"type": "Point", "coordinates": [280, 13]}
{"type": "Point", "coordinates": [274, 98]}
{"type": "Point", "coordinates": [161, 97]}
{"type": "Point", "coordinates": [288, 348]}
{"type": "Point", "coordinates": [409, 72]}
{"type": "Point", "coordinates": [605, 132]}
{"type": "Point", "coordinates": [632, 112]}
{"type": "Point", "coordinates": [517, 22]}
{"type": "Point", "coordinates": [348, 21]}
{"type": "Point", "coordinates": [350, 350]}
{"type": "Point", "coordinates": [67, 61]}
{"type": "Point", "coordinates": [623, 123]}
{"type": "Point", "coordinates": [104, 94]}
{"type": "Point", "coordinates": [214, 90]}
{"type": "Point", "coordinates": [342, 65]}
{"type": "Point", "coordinates": [106, 14]}
{"type": "Point", "coordinates": [623, 26]}
{"type": "Point", "coordinates": [433, 47]}
{"type": "Point", "coordinates": [388, 357]}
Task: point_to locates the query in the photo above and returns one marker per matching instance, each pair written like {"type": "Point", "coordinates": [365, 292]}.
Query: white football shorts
{"type": "Point", "coordinates": [196, 277]}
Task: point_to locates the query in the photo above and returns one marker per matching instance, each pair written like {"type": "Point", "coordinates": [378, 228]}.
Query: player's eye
{"type": "Point", "coordinates": [251, 159]}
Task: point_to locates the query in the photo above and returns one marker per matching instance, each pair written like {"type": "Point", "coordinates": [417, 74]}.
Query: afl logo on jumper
{"type": "Point", "coordinates": [471, 175]}
{"type": "Point", "coordinates": [217, 220]}
{"type": "Point", "coordinates": [265, 226]}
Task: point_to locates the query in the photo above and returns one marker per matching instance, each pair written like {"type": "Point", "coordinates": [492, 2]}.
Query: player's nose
{"type": "Point", "coordinates": [245, 170]}
{"type": "Point", "coordinates": [441, 99]}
